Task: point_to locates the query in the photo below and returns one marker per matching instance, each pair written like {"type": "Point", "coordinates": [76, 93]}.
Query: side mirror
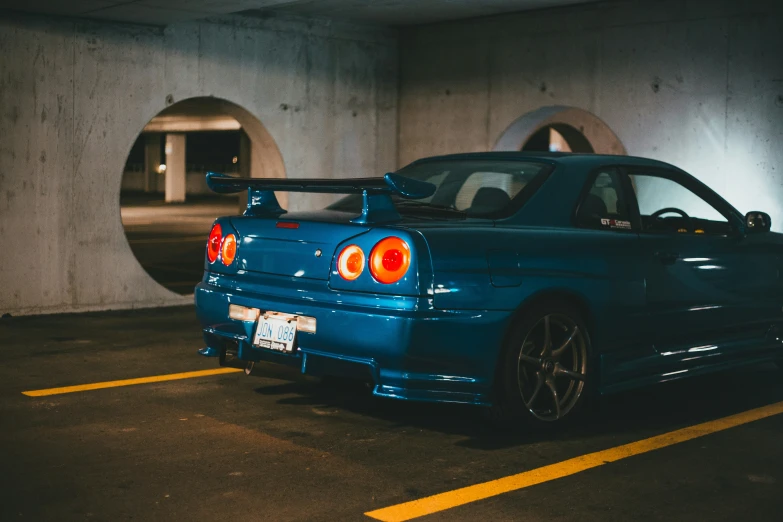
{"type": "Point", "coordinates": [756, 222]}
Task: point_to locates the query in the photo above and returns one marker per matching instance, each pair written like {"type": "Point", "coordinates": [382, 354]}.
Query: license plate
{"type": "Point", "coordinates": [276, 332]}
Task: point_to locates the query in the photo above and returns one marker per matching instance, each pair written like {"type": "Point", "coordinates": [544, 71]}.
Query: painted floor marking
{"type": "Point", "coordinates": [466, 495]}
{"type": "Point", "coordinates": [128, 382]}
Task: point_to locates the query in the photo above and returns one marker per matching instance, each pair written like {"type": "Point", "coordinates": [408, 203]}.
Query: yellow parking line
{"type": "Point", "coordinates": [459, 497]}
{"type": "Point", "coordinates": [128, 382]}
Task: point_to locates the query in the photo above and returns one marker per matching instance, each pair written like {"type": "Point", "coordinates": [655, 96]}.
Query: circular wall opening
{"type": "Point", "coordinates": [560, 128]}
{"type": "Point", "coordinates": [558, 138]}
{"type": "Point", "coordinates": [166, 207]}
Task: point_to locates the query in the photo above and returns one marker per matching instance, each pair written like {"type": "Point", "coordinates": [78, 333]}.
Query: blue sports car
{"type": "Point", "coordinates": [523, 281]}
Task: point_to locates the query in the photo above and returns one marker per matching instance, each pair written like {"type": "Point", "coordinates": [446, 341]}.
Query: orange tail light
{"type": "Point", "coordinates": [389, 260]}
{"type": "Point", "coordinates": [350, 262]}
{"type": "Point", "coordinates": [229, 250]}
{"type": "Point", "coordinates": [213, 243]}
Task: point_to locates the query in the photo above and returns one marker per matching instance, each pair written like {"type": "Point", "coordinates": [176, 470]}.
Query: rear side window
{"type": "Point", "coordinates": [605, 203]}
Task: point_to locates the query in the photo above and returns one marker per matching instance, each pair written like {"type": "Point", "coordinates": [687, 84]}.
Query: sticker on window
{"type": "Point", "coordinates": [616, 223]}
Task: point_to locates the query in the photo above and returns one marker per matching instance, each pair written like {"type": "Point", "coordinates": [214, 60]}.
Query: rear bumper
{"type": "Point", "coordinates": [404, 346]}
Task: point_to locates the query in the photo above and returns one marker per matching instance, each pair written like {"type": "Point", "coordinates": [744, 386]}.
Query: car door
{"type": "Point", "coordinates": [609, 238]}
{"type": "Point", "coordinates": [709, 291]}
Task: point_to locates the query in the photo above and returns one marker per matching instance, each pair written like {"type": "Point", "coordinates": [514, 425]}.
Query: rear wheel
{"type": "Point", "coordinates": [546, 367]}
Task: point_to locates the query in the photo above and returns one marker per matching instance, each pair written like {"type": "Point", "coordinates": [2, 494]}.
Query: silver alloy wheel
{"type": "Point", "coordinates": [551, 380]}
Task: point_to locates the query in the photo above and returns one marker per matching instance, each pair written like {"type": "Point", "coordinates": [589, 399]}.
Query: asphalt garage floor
{"type": "Point", "coordinates": [283, 447]}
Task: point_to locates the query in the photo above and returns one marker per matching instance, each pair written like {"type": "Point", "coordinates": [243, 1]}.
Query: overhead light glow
{"type": "Point", "coordinates": [161, 168]}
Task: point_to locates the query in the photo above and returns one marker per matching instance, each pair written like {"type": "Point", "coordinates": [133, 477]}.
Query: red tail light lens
{"type": "Point", "coordinates": [350, 262]}
{"type": "Point", "coordinates": [390, 260]}
{"type": "Point", "coordinates": [229, 250]}
{"type": "Point", "coordinates": [213, 243]}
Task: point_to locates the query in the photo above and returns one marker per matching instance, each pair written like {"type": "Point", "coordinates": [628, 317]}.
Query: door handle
{"type": "Point", "coordinates": [667, 258]}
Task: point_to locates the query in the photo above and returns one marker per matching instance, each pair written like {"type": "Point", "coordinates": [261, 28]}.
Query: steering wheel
{"type": "Point", "coordinates": [658, 213]}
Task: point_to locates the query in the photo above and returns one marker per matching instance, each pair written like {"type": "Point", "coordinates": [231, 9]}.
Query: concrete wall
{"type": "Point", "coordinates": [698, 83]}
{"type": "Point", "coordinates": [74, 95]}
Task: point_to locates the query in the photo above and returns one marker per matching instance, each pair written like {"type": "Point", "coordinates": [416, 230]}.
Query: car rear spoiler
{"type": "Point", "coordinates": [376, 193]}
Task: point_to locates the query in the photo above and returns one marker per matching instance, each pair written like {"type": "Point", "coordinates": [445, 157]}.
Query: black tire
{"type": "Point", "coordinates": [536, 384]}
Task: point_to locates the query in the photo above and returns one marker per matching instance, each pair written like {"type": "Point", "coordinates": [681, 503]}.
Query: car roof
{"type": "Point", "coordinates": [564, 158]}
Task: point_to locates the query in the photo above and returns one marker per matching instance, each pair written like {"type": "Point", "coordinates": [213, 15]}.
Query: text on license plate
{"type": "Point", "coordinates": [276, 332]}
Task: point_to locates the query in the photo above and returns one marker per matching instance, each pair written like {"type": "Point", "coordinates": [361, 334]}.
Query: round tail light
{"type": "Point", "coordinates": [213, 243]}
{"type": "Point", "coordinates": [389, 260]}
{"type": "Point", "coordinates": [229, 250]}
{"type": "Point", "coordinates": [350, 262]}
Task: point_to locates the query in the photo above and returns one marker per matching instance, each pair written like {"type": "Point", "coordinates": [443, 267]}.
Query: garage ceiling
{"type": "Point", "coordinates": [384, 12]}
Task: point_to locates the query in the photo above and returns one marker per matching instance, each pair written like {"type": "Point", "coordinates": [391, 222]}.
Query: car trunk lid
{"type": "Point", "coordinates": [295, 245]}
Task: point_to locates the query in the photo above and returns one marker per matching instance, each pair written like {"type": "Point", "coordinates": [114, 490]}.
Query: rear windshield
{"type": "Point", "coordinates": [475, 188]}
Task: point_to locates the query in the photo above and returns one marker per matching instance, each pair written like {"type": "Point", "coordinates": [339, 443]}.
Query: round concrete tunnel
{"type": "Point", "coordinates": [166, 207]}
{"type": "Point", "coordinates": [560, 128]}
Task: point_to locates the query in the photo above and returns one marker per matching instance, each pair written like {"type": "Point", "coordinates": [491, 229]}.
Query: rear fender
{"type": "Point", "coordinates": [604, 268]}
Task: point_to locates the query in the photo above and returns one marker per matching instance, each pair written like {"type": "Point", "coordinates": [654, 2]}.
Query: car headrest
{"type": "Point", "coordinates": [489, 199]}
{"type": "Point", "coordinates": [593, 207]}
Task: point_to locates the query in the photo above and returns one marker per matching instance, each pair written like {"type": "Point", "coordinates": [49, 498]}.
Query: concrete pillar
{"type": "Point", "coordinates": [244, 159]}
{"type": "Point", "coordinates": [557, 142]}
{"type": "Point", "coordinates": [175, 168]}
{"type": "Point", "coordinates": [151, 161]}
{"type": "Point", "coordinates": [245, 154]}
